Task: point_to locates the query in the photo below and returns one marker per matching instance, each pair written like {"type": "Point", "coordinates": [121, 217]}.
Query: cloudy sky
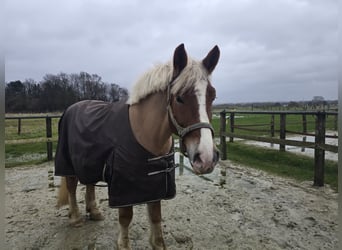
{"type": "Point", "coordinates": [271, 50]}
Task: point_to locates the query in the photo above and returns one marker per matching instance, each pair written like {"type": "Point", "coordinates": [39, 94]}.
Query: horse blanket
{"type": "Point", "coordinates": [96, 143]}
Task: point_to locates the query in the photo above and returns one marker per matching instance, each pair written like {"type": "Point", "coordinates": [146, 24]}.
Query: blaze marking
{"type": "Point", "coordinates": [205, 146]}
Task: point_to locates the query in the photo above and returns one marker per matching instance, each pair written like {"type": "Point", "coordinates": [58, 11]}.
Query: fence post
{"type": "Point", "coordinates": [272, 128]}
{"type": "Point", "coordinates": [231, 118]}
{"type": "Point", "coordinates": [223, 144]}
{"type": "Point", "coordinates": [48, 136]}
{"type": "Point", "coordinates": [282, 131]}
{"type": "Point", "coordinates": [319, 153]}
{"type": "Point", "coordinates": [181, 163]}
{"type": "Point", "coordinates": [19, 126]}
{"type": "Point", "coordinates": [304, 130]}
{"type": "Point", "coordinates": [272, 125]}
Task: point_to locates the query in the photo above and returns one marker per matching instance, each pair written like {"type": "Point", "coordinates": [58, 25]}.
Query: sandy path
{"type": "Point", "coordinates": [252, 210]}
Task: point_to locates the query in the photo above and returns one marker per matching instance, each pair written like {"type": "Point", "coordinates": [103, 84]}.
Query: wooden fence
{"type": "Point", "coordinates": [319, 145]}
{"type": "Point", "coordinates": [48, 129]}
{"type": "Point", "coordinates": [48, 139]}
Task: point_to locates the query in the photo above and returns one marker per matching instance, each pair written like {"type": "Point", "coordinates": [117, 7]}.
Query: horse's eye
{"type": "Point", "coordinates": [212, 97]}
{"type": "Point", "coordinates": [179, 99]}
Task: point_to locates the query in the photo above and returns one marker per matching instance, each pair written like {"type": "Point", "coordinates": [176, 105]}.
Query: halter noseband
{"type": "Point", "coordinates": [181, 131]}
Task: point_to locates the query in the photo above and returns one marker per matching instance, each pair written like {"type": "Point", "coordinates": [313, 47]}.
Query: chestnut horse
{"type": "Point", "coordinates": [172, 98]}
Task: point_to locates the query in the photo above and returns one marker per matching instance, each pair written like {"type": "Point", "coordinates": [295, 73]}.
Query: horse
{"type": "Point", "coordinates": [171, 98]}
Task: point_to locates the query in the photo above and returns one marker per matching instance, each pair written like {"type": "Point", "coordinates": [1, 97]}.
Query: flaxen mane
{"type": "Point", "coordinates": [158, 78]}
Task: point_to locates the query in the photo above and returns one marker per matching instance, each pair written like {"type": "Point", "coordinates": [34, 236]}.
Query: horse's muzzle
{"type": "Point", "coordinates": [204, 162]}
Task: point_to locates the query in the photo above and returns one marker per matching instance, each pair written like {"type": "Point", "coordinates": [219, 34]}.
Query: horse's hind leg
{"type": "Point", "coordinates": [156, 237]}
{"type": "Point", "coordinates": [91, 206]}
{"type": "Point", "coordinates": [74, 214]}
{"type": "Point", "coordinates": [125, 218]}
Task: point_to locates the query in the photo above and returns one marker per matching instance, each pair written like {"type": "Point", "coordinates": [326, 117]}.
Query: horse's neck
{"type": "Point", "coordinates": [150, 124]}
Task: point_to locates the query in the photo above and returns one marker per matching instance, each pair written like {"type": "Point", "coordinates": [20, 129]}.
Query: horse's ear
{"type": "Point", "coordinates": [210, 61]}
{"type": "Point", "coordinates": [180, 59]}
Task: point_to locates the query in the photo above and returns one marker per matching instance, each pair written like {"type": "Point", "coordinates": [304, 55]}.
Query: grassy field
{"type": "Point", "coordinates": [30, 129]}
{"type": "Point", "coordinates": [25, 154]}
{"type": "Point", "coordinates": [281, 163]}
{"type": "Point", "coordinates": [263, 122]}
{"type": "Point", "coordinates": [30, 147]}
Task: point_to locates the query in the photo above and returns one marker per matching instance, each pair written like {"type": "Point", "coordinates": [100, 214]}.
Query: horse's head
{"type": "Point", "coordinates": [190, 101]}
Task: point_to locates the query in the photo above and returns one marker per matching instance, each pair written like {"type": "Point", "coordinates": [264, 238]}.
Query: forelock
{"type": "Point", "coordinates": [158, 78]}
{"type": "Point", "coordinates": [191, 74]}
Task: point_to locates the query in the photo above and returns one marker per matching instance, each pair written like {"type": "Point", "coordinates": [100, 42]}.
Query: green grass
{"type": "Point", "coordinates": [25, 154]}
{"type": "Point", "coordinates": [280, 163]}
{"type": "Point", "coordinates": [30, 128]}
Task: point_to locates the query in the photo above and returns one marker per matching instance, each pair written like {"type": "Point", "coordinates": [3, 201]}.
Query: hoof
{"type": "Point", "coordinates": [122, 247]}
{"type": "Point", "coordinates": [160, 245]}
{"type": "Point", "coordinates": [96, 216]}
{"type": "Point", "coordinates": [123, 244]}
{"type": "Point", "coordinates": [159, 248]}
{"type": "Point", "coordinates": [76, 222]}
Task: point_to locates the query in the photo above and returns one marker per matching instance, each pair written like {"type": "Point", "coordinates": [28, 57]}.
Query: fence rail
{"type": "Point", "coordinates": [320, 134]}
{"type": "Point", "coordinates": [319, 145]}
{"type": "Point", "coordinates": [49, 139]}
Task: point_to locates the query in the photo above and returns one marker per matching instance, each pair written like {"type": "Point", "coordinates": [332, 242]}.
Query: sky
{"type": "Point", "coordinates": [271, 50]}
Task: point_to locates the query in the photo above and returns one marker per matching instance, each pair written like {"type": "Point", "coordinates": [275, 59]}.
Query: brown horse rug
{"type": "Point", "coordinates": [96, 143]}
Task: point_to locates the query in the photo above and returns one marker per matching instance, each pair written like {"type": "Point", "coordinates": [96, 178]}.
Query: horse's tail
{"type": "Point", "coordinates": [63, 196]}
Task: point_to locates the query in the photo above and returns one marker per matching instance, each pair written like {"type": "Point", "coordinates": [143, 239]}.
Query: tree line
{"type": "Point", "coordinates": [57, 92]}
{"type": "Point", "coordinates": [317, 103]}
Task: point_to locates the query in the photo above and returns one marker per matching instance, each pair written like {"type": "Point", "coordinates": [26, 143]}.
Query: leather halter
{"type": "Point", "coordinates": [181, 131]}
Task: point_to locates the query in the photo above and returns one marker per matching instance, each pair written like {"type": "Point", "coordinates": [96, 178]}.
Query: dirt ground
{"type": "Point", "coordinates": [252, 210]}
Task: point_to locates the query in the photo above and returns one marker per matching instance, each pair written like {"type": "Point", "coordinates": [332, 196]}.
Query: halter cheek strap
{"type": "Point", "coordinates": [181, 131]}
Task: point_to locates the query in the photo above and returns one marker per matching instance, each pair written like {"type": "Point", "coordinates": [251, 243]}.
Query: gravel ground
{"type": "Point", "coordinates": [252, 210]}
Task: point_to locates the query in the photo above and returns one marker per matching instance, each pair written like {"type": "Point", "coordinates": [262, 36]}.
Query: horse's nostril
{"type": "Point", "coordinates": [197, 157]}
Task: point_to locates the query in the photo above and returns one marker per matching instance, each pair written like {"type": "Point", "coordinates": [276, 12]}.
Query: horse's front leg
{"type": "Point", "coordinates": [125, 218]}
{"type": "Point", "coordinates": [91, 207]}
{"type": "Point", "coordinates": [74, 214]}
{"type": "Point", "coordinates": [156, 237]}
